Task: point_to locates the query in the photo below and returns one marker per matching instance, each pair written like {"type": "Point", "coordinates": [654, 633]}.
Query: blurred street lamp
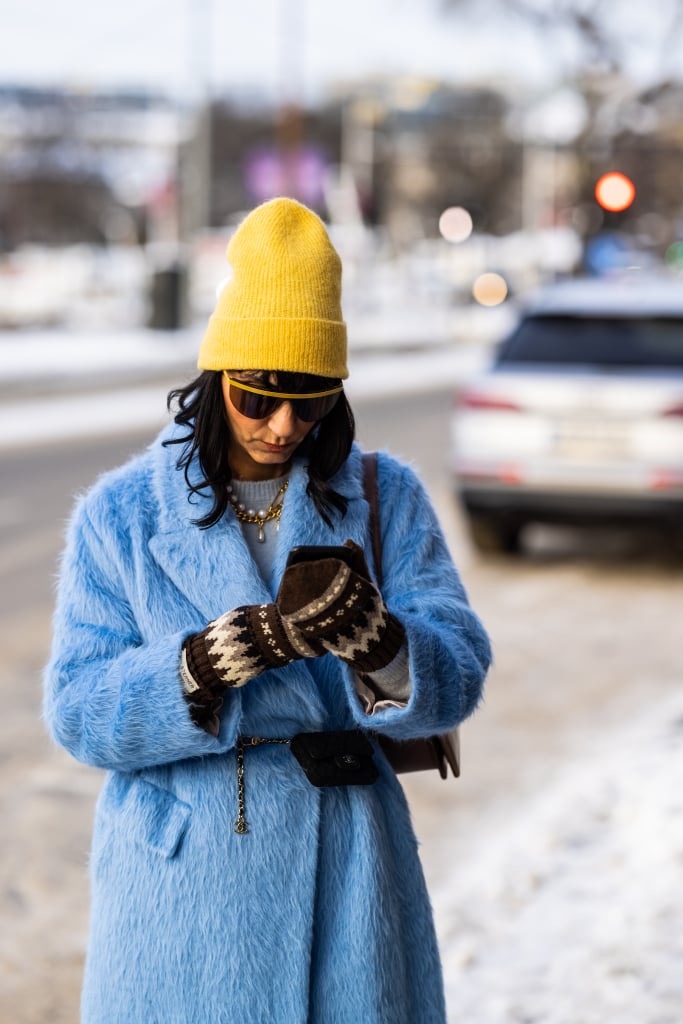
{"type": "Point", "coordinates": [195, 164]}
{"type": "Point", "coordinates": [191, 191]}
{"type": "Point", "coordinates": [289, 128]}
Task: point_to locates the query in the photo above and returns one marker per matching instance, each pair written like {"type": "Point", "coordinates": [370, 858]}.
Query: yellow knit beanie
{"type": "Point", "coordinates": [281, 310]}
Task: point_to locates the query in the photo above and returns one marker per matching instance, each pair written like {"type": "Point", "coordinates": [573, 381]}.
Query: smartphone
{"type": "Point", "coordinates": [313, 552]}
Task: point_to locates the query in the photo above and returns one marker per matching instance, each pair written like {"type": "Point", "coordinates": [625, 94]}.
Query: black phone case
{"type": "Point", "coordinates": [312, 552]}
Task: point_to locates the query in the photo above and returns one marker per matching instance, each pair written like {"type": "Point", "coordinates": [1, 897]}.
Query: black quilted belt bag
{"type": "Point", "coordinates": [342, 758]}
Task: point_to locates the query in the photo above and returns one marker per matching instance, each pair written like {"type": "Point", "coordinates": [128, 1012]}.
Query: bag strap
{"type": "Point", "coordinates": [372, 497]}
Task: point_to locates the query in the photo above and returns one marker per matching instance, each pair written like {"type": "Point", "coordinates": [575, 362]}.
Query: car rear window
{"type": "Point", "coordinates": [596, 341]}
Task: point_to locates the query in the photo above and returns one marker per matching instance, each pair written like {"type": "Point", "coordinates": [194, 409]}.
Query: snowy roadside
{"type": "Point", "coordinates": [104, 410]}
{"type": "Point", "coordinates": [572, 913]}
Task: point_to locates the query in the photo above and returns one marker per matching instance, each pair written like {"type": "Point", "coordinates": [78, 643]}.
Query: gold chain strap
{"type": "Point", "coordinates": [241, 825]}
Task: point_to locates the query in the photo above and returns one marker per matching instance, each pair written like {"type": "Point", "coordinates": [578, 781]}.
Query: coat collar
{"type": "Point", "coordinates": [213, 568]}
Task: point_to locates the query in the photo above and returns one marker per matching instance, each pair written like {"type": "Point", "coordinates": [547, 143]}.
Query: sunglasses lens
{"type": "Point", "coordinates": [258, 407]}
{"type": "Point", "coordinates": [311, 409]}
{"type": "Point", "coordinates": [255, 407]}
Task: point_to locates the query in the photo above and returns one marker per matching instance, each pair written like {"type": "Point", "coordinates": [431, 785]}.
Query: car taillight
{"type": "Point", "coordinates": [675, 410]}
{"type": "Point", "coordinates": [666, 479]}
{"type": "Point", "coordinates": [481, 400]}
{"type": "Point", "coordinates": [505, 473]}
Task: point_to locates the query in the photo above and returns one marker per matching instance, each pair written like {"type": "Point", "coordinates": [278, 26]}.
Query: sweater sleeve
{"type": "Point", "coordinates": [113, 698]}
{"type": "Point", "coordinates": [448, 649]}
{"type": "Point", "coordinates": [387, 687]}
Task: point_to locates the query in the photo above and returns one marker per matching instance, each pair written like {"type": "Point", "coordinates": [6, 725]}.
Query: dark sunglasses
{"type": "Point", "coordinates": [258, 403]}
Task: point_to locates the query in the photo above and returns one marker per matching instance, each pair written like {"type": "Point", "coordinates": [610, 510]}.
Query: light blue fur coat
{"type": "Point", "coordinates": [320, 914]}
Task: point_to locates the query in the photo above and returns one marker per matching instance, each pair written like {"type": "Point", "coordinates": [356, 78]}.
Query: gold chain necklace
{"type": "Point", "coordinates": [262, 516]}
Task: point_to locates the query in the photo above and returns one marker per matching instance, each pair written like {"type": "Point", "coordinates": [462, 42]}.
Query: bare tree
{"type": "Point", "coordinates": [606, 32]}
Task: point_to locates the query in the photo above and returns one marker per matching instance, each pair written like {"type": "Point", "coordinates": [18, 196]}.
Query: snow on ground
{"type": "Point", "coordinates": [573, 912]}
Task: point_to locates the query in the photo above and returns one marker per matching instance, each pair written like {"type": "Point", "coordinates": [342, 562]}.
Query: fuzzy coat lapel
{"type": "Point", "coordinates": [213, 568]}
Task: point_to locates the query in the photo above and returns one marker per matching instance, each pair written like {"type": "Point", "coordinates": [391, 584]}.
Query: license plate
{"type": "Point", "coordinates": [591, 440]}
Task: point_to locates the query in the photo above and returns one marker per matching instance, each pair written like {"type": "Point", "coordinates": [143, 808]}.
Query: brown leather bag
{"type": "Point", "coordinates": [430, 752]}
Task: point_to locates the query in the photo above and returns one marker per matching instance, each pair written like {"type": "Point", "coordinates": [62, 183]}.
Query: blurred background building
{"type": "Point", "coordinates": [116, 199]}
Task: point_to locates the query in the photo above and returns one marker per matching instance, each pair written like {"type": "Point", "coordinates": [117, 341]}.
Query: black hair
{"type": "Point", "coordinates": [201, 408]}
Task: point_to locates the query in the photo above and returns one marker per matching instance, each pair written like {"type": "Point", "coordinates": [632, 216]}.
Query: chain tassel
{"type": "Point", "coordinates": [241, 825]}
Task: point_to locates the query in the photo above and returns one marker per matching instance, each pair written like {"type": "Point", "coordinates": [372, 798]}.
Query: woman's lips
{"type": "Point", "coordinates": [279, 448]}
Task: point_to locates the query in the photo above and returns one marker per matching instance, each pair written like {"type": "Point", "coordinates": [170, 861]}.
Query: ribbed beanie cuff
{"type": "Point", "coordinates": [298, 345]}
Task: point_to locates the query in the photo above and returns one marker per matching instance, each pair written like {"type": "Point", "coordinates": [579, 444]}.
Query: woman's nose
{"type": "Point", "coordinates": [283, 421]}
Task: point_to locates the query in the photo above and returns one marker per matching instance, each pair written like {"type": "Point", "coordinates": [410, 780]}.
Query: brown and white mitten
{"type": "Point", "coordinates": [322, 605]}
{"type": "Point", "coordinates": [329, 605]}
{"type": "Point", "coordinates": [235, 647]}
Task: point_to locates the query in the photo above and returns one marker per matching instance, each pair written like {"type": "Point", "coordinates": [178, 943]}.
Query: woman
{"type": "Point", "coordinates": [239, 874]}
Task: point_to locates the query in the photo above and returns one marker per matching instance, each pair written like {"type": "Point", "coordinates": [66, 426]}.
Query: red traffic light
{"type": "Point", "coordinates": [614, 191]}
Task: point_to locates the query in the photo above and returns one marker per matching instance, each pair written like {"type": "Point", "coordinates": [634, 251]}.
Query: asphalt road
{"type": "Point", "coordinates": [585, 634]}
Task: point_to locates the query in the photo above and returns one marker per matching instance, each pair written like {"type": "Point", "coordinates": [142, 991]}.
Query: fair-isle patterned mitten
{"type": "Point", "coordinates": [329, 604]}
{"type": "Point", "coordinates": [230, 651]}
{"type": "Point", "coordinates": [322, 605]}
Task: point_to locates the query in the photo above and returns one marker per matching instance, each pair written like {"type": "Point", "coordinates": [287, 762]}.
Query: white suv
{"type": "Point", "coordinates": [580, 416]}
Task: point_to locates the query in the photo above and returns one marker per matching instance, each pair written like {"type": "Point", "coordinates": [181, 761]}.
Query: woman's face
{"type": "Point", "coordinates": [260, 449]}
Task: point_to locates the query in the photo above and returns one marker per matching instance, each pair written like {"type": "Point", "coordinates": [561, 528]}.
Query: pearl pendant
{"type": "Point", "coordinates": [261, 534]}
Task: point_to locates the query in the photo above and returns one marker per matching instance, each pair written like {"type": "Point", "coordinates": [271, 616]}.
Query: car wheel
{"type": "Point", "coordinates": [492, 536]}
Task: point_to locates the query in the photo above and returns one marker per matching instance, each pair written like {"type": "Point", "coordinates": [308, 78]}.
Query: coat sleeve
{"type": "Point", "coordinates": [111, 698]}
{"type": "Point", "coordinates": [448, 648]}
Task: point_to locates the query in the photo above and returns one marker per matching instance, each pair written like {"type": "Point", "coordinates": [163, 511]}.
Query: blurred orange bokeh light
{"type": "Point", "coordinates": [614, 191]}
{"type": "Point", "coordinates": [490, 289]}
